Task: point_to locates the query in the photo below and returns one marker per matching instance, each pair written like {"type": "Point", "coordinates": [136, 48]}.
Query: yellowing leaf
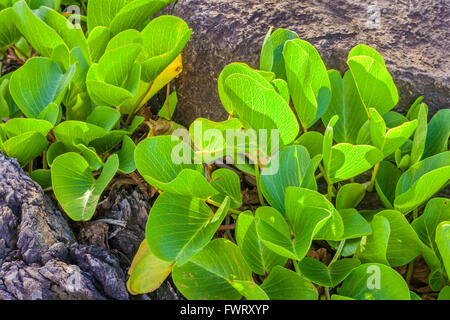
{"type": "Point", "coordinates": [147, 272]}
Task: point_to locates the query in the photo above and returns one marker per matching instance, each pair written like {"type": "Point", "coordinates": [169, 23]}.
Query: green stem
{"type": "Point", "coordinates": [338, 251]}
{"type": "Point", "coordinates": [410, 272]}
{"type": "Point", "coordinates": [44, 160]}
{"type": "Point", "coordinates": [258, 182]}
{"type": "Point", "coordinates": [217, 204]}
{"type": "Point", "coordinates": [297, 269]}
{"type": "Point", "coordinates": [374, 176]}
{"type": "Point", "coordinates": [327, 292]}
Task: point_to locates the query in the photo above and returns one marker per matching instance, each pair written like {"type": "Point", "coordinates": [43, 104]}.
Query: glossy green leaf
{"type": "Point", "coordinates": [284, 284]}
{"type": "Point", "coordinates": [126, 156]}
{"type": "Point", "coordinates": [373, 248]}
{"type": "Point", "coordinates": [74, 186]}
{"type": "Point", "coordinates": [228, 183]}
{"type": "Point", "coordinates": [104, 117]}
{"type": "Point", "coordinates": [375, 85]}
{"type": "Point", "coordinates": [346, 103]}
{"type": "Point", "coordinates": [25, 147]}
{"type": "Point", "coordinates": [444, 294]}
{"type": "Point", "coordinates": [97, 41]}
{"type": "Point", "coordinates": [260, 259]}
{"type": "Point", "coordinates": [18, 126]}
{"type": "Point", "coordinates": [350, 195]}
{"type": "Point", "coordinates": [43, 177]}
{"type": "Point", "coordinates": [355, 226]}
{"type": "Point", "coordinates": [72, 133]}
{"type": "Point", "coordinates": [312, 141]}
{"type": "Point", "coordinates": [168, 109]}
{"type": "Point", "coordinates": [385, 183]}
{"type": "Point", "coordinates": [178, 227]}
{"type": "Point", "coordinates": [38, 83]}
{"type": "Point", "coordinates": [443, 243]}
{"type": "Point", "coordinates": [374, 281]}
{"type": "Point", "coordinates": [9, 33]}
{"type": "Point", "coordinates": [420, 136]}
{"type": "Point", "coordinates": [291, 166]}
{"type": "Point", "coordinates": [52, 113]}
{"type": "Point", "coordinates": [438, 133]}
{"type": "Point", "coordinates": [210, 273]}
{"type": "Point", "coordinates": [327, 276]}
{"type": "Point", "coordinates": [421, 181]}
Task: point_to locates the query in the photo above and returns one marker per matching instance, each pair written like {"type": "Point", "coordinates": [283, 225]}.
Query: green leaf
{"type": "Point", "coordinates": [44, 39]}
{"type": "Point", "coordinates": [373, 248]}
{"type": "Point", "coordinates": [444, 294]}
{"type": "Point", "coordinates": [165, 162]}
{"type": "Point", "coordinates": [291, 166]}
{"type": "Point", "coordinates": [394, 138]}
{"type": "Point", "coordinates": [282, 88]}
{"type": "Point", "coordinates": [418, 145]}
{"type": "Point", "coordinates": [97, 41]}
{"type": "Point", "coordinates": [104, 117]}
{"type": "Point", "coordinates": [284, 284]}
{"type": "Point", "coordinates": [312, 141]}
{"type": "Point", "coordinates": [422, 181]}
{"type": "Point", "coordinates": [355, 226]}
{"type": "Point", "coordinates": [350, 195]}
{"type": "Point", "coordinates": [25, 147]}
{"type": "Point", "coordinates": [365, 50]}
{"type": "Point", "coordinates": [346, 103]}
{"type": "Point", "coordinates": [348, 161]}
{"type": "Point", "coordinates": [91, 156]}
{"type": "Point", "coordinates": [209, 275]}
{"type": "Point", "coordinates": [438, 133]}
{"type": "Point", "coordinates": [373, 281]}
{"type": "Point", "coordinates": [375, 85]}
{"type": "Point", "coordinates": [168, 109]}
{"type": "Point", "coordinates": [301, 202]}
{"type": "Point", "coordinates": [308, 81]}
{"type": "Point", "coordinates": [74, 186]}
{"type": "Point", "coordinates": [260, 259]}
{"type": "Point", "coordinates": [178, 226]}
{"type": "Point", "coordinates": [147, 271]}
{"type": "Point", "coordinates": [262, 108]}
{"type": "Point", "coordinates": [272, 51]}
{"type": "Point", "coordinates": [126, 156]}
{"type": "Point", "coordinates": [385, 183]}
{"type": "Point", "coordinates": [9, 34]}
{"type": "Point", "coordinates": [436, 211]}
{"type": "Point", "coordinates": [163, 39]}
{"type": "Point", "coordinates": [404, 244]}
{"type": "Point", "coordinates": [443, 243]}
{"type": "Point", "coordinates": [18, 126]}
{"type": "Point", "coordinates": [52, 113]}
{"type": "Point", "coordinates": [38, 83]}
{"type": "Point", "coordinates": [228, 183]}
{"type": "Point", "coordinates": [72, 133]}
{"type": "Point", "coordinates": [43, 177]}
{"type": "Point", "coordinates": [327, 276]}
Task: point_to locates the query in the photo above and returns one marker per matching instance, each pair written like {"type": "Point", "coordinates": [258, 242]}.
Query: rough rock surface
{"type": "Point", "coordinates": [412, 35]}
{"type": "Point", "coordinates": [42, 258]}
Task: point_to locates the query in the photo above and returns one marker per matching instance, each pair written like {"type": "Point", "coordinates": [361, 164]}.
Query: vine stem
{"type": "Point", "coordinates": [338, 251]}
{"type": "Point", "coordinates": [374, 176]}
{"type": "Point", "coordinates": [217, 204]}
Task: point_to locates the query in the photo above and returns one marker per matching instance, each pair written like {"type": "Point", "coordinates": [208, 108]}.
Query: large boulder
{"type": "Point", "coordinates": [412, 36]}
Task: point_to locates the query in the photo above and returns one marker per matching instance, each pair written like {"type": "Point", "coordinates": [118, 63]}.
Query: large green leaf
{"type": "Point", "coordinates": [394, 138]}
{"type": "Point", "coordinates": [375, 85]}
{"type": "Point", "coordinates": [422, 181]}
{"type": "Point", "coordinates": [346, 103]}
{"type": "Point", "coordinates": [436, 211]}
{"type": "Point", "coordinates": [104, 117]}
{"type": "Point", "coordinates": [327, 276]}
{"type": "Point", "coordinates": [37, 84]}
{"type": "Point", "coordinates": [75, 188]}
{"type": "Point", "coordinates": [72, 133]}
{"type": "Point", "coordinates": [373, 281]}
{"type": "Point", "coordinates": [178, 227]}
{"type": "Point", "coordinates": [355, 226]}
{"type": "Point", "coordinates": [291, 166]}
{"type": "Point", "coordinates": [44, 39]}
{"type": "Point", "coordinates": [228, 183]}
{"type": "Point", "coordinates": [348, 161]}
{"type": "Point", "coordinates": [209, 275]}
{"type": "Point", "coordinates": [158, 160]}
{"type": "Point", "coordinates": [163, 39]}
{"type": "Point", "coordinates": [126, 156]}
{"type": "Point", "coordinates": [284, 284]}
{"type": "Point", "coordinates": [385, 183]}
{"type": "Point", "coordinates": [350, 195]}
{"type": "Point", "coordinates": [25, 147]}
{"type": "Point", "coordinates": [18, 126]}
{"type": "Point", "coordinates": [438, 133]}
{"type": "Point", "coordinates": [271, 58]}
{"type": "Point", "coordinates": [262, 108]}
{"type": "Point", "coordinates": [312, 141]}
{"type": "Point", "coordinates": [420, 136]}
{"type": "Point", "coordinates": [9, 33]}
{"type": "Point", "coordinates": [260, 259]}
{"type": "Point", "coordinates": [373, 248]}
{"type": "Point", "coordinates": [300, 202]}
{"type": "Point", "coordinates": [443, 243]}
{"type": "Point", "coordinates": [308, 81]}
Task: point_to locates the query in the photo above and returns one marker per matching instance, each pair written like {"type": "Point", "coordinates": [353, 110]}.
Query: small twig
{"type": "Point", "coordinates": [227, 227]}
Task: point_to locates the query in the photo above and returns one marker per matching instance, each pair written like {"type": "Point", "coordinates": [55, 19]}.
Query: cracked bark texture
{"type": "Point", "coordinates": [42, 258]}
{"type": "Point", "coordinates": [412, 36]}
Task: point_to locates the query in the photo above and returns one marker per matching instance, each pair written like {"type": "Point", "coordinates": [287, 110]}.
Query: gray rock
{"type": "Point", "coordinates": [40, 257]}
{"type": "Point", "coordinates": [412, 36]}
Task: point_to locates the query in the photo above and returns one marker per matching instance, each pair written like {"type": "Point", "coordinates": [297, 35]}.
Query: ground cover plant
{"type": "Point", "coordinates": [74, 115]}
